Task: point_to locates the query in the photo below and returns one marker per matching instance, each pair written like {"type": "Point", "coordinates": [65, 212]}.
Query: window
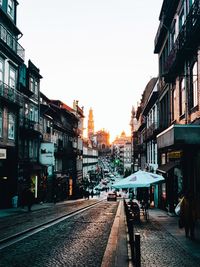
{"type": "Point", "coordinates": [31, 114]}
{"type": "Point", "coordinates": [36, 88]}
{"type": "Point", "coordinates": [1, 77]}
{"type": "Point", "coordinates": [36, 114]}
{"type": "Point", "coordinates": [181, 19]}
{"type": "Point", "coordinates": [1, 2]}
{"type": "Point", "coordinates": [182, 96]}
{"type": "Point", "coordinates": [1, 123]}
{"type": "Point", "coordinates": [35, 149]}
{"type": "Point", "coordinates": [11, 126]}
{"type": "Point", "coordinates": [10, 9]}
{"type": "Point", "coordinates": [26, 111]}
{"type": "Point", "coordinates": [191, 2]}
{"type": "Point", "coordinates": [31, 85]}
{"type": "Point", "coordinates": [172, 38]}
{"type": "Point", "coordinates": [12, 78]}
{"type": "Point", "coordinates": [30, 148]}
{"type": "Point", "coordinates": [173, 102]}
{"type": "Point", "coordinates": [9, 40]}
{"type": "Point", "coordinates": [153, 115]}
{"type": "Point", "coordinates": [194, 85]}
{"type": "Point", "coordinates": [26, 148]}
{"type": "Point", "coordinates": [3, 33]}
{"type": "Point", "coordinates": [12, 83]}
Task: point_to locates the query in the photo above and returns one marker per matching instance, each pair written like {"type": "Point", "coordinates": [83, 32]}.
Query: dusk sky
{"type": "Point", "coordinates": [99, 52]}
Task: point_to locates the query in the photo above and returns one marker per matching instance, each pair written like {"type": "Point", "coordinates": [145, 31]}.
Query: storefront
{"type": "Point", "coordinates": [8, 176]}
{"type": "Point", "coordinates": [178, 147]}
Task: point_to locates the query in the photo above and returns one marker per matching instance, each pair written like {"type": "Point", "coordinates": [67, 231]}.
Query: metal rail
{"type": "Point", "coordinates": [35, 229]}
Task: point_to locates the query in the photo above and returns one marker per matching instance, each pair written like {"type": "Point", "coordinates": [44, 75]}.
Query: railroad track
{"type": "Point", "coordinates": [6, 242]}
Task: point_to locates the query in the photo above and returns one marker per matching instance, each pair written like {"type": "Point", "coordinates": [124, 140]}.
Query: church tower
{"type": "Point", "coordinates": [90, 124]}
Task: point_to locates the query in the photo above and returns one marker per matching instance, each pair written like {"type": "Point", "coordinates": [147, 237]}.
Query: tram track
{"type": "Point", "coordinates": [8, 241]}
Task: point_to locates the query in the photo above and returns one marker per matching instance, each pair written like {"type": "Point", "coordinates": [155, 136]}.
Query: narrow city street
{"type": "Point", "coordinates": [84, 235]}
{"type": "Point", "coordinates": [100, 133]}
{"type": "Point", "coordinates": [78, 241]}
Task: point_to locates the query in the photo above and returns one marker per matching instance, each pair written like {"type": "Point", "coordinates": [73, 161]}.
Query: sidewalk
{"type": "Point", "coordinates": [117, 253]}
{"type": "Point", "coordinates": [19, 210]}
{"type": "Point", "coordinates": [170, 223]}
{"type": "Point", "coordinates": [38, 206]}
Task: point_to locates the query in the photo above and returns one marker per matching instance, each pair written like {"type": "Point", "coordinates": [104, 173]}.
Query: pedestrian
{"type": "Point", "coordinates": [135, 208]}
{"type": "Point", "coordinates": [87, 194]}
{"type": "Point", "coordinates": [92, 193]}
{"type": "Point", "coordinates": [131, 195]}
{"type": "Point", "coordinates": [188, 214]}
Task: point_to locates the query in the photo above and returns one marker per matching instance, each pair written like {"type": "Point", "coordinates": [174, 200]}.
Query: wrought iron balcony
{"type": "Point", "coordinates": [47, 137]}
{"type": "Point", "coordinates": [10, 94]}
{"type": "Point", "coordinates": [140, 148]}
{"type": "Point", "coordinates": [150, 131]}
{"type": "Point", "coordinates": [167, 12]}
{"type": "Point", "coordinates": [29, 124]}
{"type": "Point", "coordinates": [187, 39]}
{"type": "Point", "coordinates": [11, 42]}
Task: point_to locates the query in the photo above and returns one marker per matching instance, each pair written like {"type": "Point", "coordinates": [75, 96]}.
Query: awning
{"type": "Point", "coordinates": [165, 168]}
{"type": "Point", "coordinates": [178, 134]}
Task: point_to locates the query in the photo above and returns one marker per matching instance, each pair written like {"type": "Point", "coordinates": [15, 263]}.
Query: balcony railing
{"type": "Point", "coordinates": [47, 137]}
{"type": "Point", "coordinates": [11, 41]}
{"type": "Point", "coordinates": [140, 148]}
{"type": "Point", "coordinates": [10, 94]}
{"type": "Point", "coordinates": [149, 132]}
{"type": "Point", "coordinates": [185, 39]}
{"type": "Point", "coordinates": [29, 124]}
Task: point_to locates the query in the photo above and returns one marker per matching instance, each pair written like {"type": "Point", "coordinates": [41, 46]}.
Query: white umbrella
{"type": "Point", "coordinates": [139, 179]}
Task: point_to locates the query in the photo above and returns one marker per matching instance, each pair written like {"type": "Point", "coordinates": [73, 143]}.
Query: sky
{"type": "Point", "coordinates": [99, 52]}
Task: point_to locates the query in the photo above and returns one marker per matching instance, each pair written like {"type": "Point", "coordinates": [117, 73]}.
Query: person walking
{"type": "Point", "coordinates": [188, 214]}
{"type": "Point", "coordinates": [92, 194]}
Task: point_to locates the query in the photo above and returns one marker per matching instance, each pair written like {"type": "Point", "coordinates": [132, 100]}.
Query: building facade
{"type": "Point", "coordinates": [101, 138]}
{"type": "Point", "coordinates": [90, 165]}
{"type": "Point", "coordinates": [177, 45]}
{"type": "Point", "coordinates": [30, 171]}
{"type": "Point", "coordinates": [121, 150]}
{"type": "Point", "coordinates": [11, 58]}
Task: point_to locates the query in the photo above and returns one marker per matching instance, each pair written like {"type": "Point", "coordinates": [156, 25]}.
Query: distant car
{"type": "Point", "coordinates": [111, 196]}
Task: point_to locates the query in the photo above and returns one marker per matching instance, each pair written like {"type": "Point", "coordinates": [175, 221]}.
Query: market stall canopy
{"type": "Point", "coordinates": [139, 179]}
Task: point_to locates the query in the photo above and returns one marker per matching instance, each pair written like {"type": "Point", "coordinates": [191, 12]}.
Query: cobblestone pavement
{"type": "Point", "coordinates": [76, 242]}
{"type": "Point", "coordinates": [160, 249]}
{"type": "Point", "coordinates": [19, 222]}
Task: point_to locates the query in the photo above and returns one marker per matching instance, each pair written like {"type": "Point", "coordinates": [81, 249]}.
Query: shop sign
{"type": "Point", "coordinates": [47, 154]}
{"type": "Point", "coordinates": [175, 154]}
{"type": "Point", "coordinates": [3, 153]}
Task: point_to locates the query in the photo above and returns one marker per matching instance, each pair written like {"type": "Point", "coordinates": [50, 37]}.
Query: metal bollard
{"type": "Point", "coordinates": [131, 238]}
{"type": "Point", "coordinates": [137, 250]}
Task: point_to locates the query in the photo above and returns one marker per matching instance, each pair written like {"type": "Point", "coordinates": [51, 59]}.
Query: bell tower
{"type": "Point", "coordinates": [90, 124]}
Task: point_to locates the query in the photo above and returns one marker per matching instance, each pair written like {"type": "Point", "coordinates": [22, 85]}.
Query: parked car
{"type": "Point", "coordinates": [111, 196]}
